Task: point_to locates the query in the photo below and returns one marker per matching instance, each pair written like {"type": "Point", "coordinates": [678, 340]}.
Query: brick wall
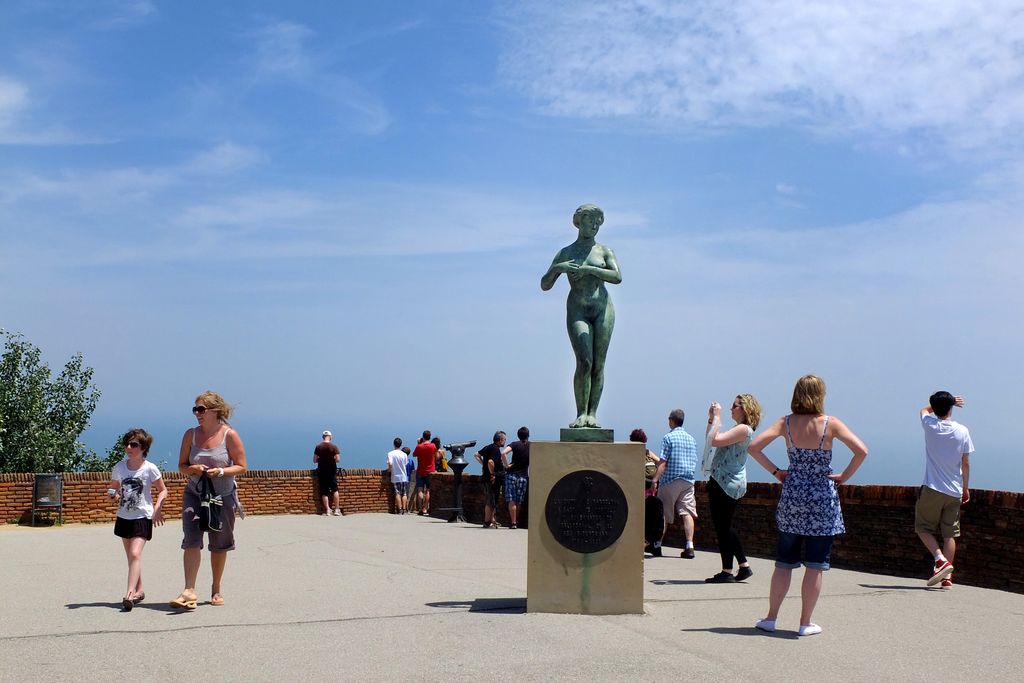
{"type": "Point", "coordinates": [262, 492]}
{"type": "Point", "coordinates": [880, 534]}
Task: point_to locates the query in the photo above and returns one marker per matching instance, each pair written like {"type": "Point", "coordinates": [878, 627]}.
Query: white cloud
{"type": "Point", "coordinates": [954, 70]}
{"type": "Point", "coordinates": [280, 50]}
{"type": "Point", "coordinates": [226, 157]}
{"type": "Point", "coordinates": [13, 98]}
{"type": "Point", "coordinates": [17, 126]}
{"type": "Point", "coordinates": [282, 55]}
{"type": "Point", "coordinates": [121, 14]}
{"type": "Point", "coordinates": [110, 189]}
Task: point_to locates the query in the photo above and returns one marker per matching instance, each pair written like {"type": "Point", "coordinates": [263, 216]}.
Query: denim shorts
{"type": "Point", "coordinates": [401, 487]}
{"type": "Point", "coordinates": [817, 551]}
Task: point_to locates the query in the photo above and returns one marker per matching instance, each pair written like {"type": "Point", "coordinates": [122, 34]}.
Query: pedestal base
{"type": "Point", "coordinates": [582, 495]}
{"type": "Point", "coordinates": [586, 435]}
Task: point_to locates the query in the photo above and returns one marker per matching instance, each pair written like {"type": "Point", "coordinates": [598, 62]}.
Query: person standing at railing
{"type": "Point", "coordinates": [727, 480]}
{"type": "Point", "coordinates": [809, 514]}
{"type": "Point", "coordinates": [947, 448]}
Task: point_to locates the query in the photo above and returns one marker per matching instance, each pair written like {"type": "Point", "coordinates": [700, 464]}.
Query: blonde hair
{"type": "Point", "coordinates": [808, 396]}
{"type": "Point", "coordinates": [751, 409]}
{"type": "Point", "coordinates": [214, 401]}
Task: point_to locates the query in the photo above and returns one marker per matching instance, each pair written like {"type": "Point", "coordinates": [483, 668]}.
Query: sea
{"type": "Point", "coordinates": [289, 446]}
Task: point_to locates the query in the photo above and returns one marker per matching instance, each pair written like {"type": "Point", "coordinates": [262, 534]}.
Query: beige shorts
{"type": "Point", "coordinates": [677, 497]}
{"type": "Point", "coordinates": [937, 513]}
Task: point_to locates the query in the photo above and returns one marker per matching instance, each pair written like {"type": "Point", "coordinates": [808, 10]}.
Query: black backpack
{"type": "Point", "coordinates": [210, 505]}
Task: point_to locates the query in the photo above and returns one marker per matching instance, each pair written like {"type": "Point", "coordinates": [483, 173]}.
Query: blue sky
{"type": "Point", "coordinates": [338, 213]}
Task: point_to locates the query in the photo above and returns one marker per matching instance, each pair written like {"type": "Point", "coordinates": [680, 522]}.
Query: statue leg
{"type": "Point", "coordinates": [603, 327]}
{"type": "Point", "coordinates": [581, 337]}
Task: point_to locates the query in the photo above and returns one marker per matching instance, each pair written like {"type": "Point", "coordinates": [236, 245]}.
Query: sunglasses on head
{"type": "Point", "coordinates": [199, 410]}
{"type": "Point", "coordinates": [133, 444]}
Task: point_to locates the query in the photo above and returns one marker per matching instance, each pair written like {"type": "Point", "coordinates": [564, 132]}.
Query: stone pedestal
{"type": "Point", "coordinates": [586, 536]}
{"type": "Point", "coordinates": [591, 434]}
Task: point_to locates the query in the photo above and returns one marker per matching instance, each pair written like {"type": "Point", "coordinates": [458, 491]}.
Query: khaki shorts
{"type": "Point", "coordinates": [937, 513]}
{"type": "Point", "coordinates": [677, 497]}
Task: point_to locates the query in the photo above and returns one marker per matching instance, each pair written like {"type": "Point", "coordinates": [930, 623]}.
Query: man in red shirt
{"type": "Point", "coordinates": [425, 455]}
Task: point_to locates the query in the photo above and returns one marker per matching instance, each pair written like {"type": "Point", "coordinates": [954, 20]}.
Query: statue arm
{"type": "Point", "coordinates": [610, 272]}
{"type": "Point", "coordinates": [557, 268]}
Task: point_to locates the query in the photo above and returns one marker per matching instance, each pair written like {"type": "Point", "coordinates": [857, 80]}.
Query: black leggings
{"type": "Point", "coordinates": [723, 506]}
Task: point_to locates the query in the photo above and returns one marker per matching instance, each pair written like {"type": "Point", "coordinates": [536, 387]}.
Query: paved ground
{"type": "Point", "coordinates": [379, 596]}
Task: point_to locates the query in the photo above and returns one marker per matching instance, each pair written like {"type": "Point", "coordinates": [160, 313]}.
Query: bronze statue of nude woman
{"type": "Point", "coordinates": [590, 316]}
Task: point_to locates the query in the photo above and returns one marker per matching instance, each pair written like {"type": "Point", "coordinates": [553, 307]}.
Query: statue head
{"type": "Point", "coordinates": [591, 211]}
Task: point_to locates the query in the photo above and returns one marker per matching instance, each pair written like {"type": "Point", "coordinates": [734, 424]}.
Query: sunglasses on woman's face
{"type": "Point", "coordinates": [199, 410]}
{"type": "Point", "coordinates": [133, 444]}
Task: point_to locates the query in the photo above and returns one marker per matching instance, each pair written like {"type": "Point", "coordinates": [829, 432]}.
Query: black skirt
{"type": "Point", "coordinates": [134, 528]}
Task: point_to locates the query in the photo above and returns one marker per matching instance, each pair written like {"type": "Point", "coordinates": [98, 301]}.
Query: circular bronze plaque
{"type": "Point", "coordinates": [586, 511]}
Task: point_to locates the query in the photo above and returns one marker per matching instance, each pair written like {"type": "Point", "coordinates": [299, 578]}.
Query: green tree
{"type": "Point", "coordinates": [114, 455]}
{"type": "Point", "coordinates": [41, 417]}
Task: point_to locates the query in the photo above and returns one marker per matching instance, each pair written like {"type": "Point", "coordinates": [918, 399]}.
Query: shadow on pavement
{"type": "Point", "coordinates": [678, 582]}
{"type": "Point", "coordinates": [104, 605]}
{"type": "Point", "coordinates": [154, 606]}
{"type": "Point", "coordinates": [748, 631]}
{"type": "Point", "coordinates": [491, 605]}
{"type": "Point", "coordinates": [898, 588]}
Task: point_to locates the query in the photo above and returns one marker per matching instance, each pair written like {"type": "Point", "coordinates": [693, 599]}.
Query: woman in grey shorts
{"type": "Point", "coordinates": [215, 448]}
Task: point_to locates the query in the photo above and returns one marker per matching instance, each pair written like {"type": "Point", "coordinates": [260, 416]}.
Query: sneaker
{"type": "Point", "coordinates": [948, 582]}
{"type": "Point", "coordinates": [765, 625]}
{"type": "Point", "coordinates": [655, 551]}
{"type": "Point", "coordinates": [743, 573]}
{"type": "Point", "coordinates": [687, 554]}
{"type": "Point", "coordinates": [513, 526]}
{"type": "Point", "coordinates": [943, 568]}
{"type": "Point", "coordinates": [721, 577]}
{"type": "Point", "coordinates": [809, 630]}
{"type": "Point", "coordinates": [337, 513]}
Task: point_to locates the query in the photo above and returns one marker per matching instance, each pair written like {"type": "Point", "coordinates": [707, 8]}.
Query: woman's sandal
{"type": "Point", "coordinates": [136, 599]}
{"type": "Point", "coordinates": [217, 600]}
{"type": "Point", "coordinates": [183, 602]}
{"type": "Point", "coordinates": [126, 604]}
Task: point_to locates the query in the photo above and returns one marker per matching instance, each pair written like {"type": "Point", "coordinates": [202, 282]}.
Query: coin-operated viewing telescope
{"type": "Point", "coordinates": [457, 463]}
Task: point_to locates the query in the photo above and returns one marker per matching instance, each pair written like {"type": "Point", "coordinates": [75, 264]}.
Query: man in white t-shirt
{"type": "Point", "coordinates": [947, 446]}
{"type": "Point", "coordinates": [397, 460]}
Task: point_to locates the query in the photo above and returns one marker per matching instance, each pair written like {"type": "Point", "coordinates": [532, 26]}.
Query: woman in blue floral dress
{"type": "Point", "coordinates": [808, 515]}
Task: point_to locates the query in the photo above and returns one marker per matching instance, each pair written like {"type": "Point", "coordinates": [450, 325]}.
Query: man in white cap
{"type": "Point", "coordinates": [326, 456]}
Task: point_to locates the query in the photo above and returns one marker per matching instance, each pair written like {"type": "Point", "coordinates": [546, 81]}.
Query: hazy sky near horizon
{"type": "Point", "coordinates": [339, 213]}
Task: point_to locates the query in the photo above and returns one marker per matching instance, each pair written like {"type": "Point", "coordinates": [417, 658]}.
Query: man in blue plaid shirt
{"type": "Point", "coordinates": [675, 476]}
